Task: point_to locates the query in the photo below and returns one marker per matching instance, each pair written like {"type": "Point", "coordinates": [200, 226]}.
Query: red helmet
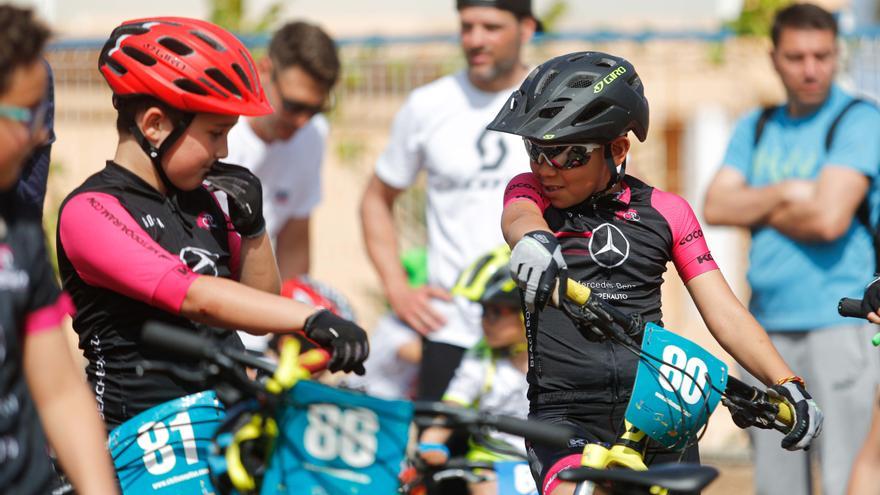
{"type": "Point", "coordinates": [309, 291]}
{"type": "Point", "coordinates": [191, 65]}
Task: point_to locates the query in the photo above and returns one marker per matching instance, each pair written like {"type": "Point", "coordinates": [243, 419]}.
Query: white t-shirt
{"type": "Point", "coordinates": [387, 376]}
{"type": "Point", "coordinates": [290, 171]}
{"type": "Point", "coordinates": [442, 129]}
{"type": "Point", "coordinates": [489, 383]}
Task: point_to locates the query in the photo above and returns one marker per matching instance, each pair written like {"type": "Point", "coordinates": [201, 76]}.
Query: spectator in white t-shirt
{"type": "Point", "coordinates": [442, 129]}
{"type": "Point", "coordinates": [285, 149]}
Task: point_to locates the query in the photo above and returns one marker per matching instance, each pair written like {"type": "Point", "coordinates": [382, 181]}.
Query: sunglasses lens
{"type": "Point", "coordinates": [561, 157]}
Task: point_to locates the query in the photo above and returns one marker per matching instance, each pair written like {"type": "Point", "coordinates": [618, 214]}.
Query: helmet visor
{"type": "Point", "coordinates": [562, 157]}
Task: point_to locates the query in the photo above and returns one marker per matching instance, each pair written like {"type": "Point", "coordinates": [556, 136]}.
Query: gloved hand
{"type": "Point", "coordinates": [536, 264]}
{"type": "Point", "coordinates": [871, 297]}
{"type": "Point", "coordinates": [347, 342]}
{"type": "Point", "coordinates": [807, 415]}
{"type": "Point", "coordinates": [245, 195]}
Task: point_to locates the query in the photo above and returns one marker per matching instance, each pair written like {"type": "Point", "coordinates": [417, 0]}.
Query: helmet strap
{"type": "Point", "coordinates": [616, 173]}
{"type": "Point", "coordinates": [156, 154]}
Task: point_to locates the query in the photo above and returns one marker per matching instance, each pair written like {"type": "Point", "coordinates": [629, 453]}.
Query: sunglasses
{"type": "Point", "coordinates": [563, 157]}
{"type": "Point", "coordinates": [297, 107]}
{"type": "Point", "coordinates": [33, 118]}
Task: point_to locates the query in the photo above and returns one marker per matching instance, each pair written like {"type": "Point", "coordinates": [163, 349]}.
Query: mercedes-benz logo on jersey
{"type": "Point", "coordinates": [200, 260]}
{"type": "Point", "coordinates": [608, 246]}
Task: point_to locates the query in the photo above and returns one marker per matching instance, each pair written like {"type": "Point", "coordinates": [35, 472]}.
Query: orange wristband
{"type": "Point", "coordinates": [794, 378]}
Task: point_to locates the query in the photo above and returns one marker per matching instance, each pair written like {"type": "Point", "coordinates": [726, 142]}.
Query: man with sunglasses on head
{"type": "Point", "coordinates": [441, 129]}
{"type": "Point", "coordinates": [285, 148]}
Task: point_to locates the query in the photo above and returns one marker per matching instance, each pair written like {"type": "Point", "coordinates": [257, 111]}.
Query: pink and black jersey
{"type": "Point", "coordinates": [30, 303]}
{"type": "Point", "coordinates": [127, 255]}
{"type": "Point", "coordinates": [618, 246]}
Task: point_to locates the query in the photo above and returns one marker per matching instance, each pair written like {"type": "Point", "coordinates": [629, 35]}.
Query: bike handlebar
{"type": "Point", "coordinates": [851, 308]}
{"type": "Point", "coordinates": [539, 432]}
{"type": "Point", "coordinates": [774, 412]}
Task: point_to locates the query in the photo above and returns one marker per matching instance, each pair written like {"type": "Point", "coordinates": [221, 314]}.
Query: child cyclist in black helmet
{"type": "Point", "coordinates": [145, 238]}
{"type": "Point", "coordinates": [491, 377]}
{"type": "Point", "coordinates": [578, 215]}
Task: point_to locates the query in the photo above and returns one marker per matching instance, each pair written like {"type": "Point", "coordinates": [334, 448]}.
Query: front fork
{"type": "Point", "coordinates": [628, 452]}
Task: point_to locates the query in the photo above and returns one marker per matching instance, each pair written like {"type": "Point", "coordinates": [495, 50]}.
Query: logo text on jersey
{"type": "Point", "coordinates": [705, 258]}
{"type": "Point", "coordinates": [151, 221]}
{"type": "Point", "coordinates": [696, 234]}
{"type": "Point", "coordinates": [608, 246]}
{"type": "Point", "coordinates": [206, 221]}
{"type": "Point", "coordinates": [11, 277]}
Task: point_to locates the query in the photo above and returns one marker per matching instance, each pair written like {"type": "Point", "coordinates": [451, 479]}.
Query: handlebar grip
{"type": "Point", "coordinates": [544, 433]}
{"type": "Point", "coordinates": [177, 340]}
{"type": "Point", "coordinates": [785, 414]}
{"type": "Point", "coordinates": [850, 307]}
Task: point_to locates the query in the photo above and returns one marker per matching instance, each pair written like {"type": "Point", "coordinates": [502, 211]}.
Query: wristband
{"type": "Point", "coordinates": [433, 447]}
{"type": "Point", "coordinates": [794, 378]}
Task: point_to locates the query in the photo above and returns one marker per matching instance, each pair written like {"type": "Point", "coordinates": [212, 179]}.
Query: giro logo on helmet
{"type": "Point", "coordinates": [548, 137]}
{"type": "Point", "coordinates": [610, 78]}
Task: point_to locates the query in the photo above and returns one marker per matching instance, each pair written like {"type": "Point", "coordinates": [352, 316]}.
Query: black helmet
{"type": "Point", "coordinates": [582, 97]}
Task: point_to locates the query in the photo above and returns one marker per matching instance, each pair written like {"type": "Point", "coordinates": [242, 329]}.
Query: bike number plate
{"type": "Point", "coordinates": [335, 441]}
{"type": "Point", "coordinates": [673, 398]}
{"type": "Point", "coordinates": [515, 478]}
{"type": "Point", "coordinates": [165, 448]}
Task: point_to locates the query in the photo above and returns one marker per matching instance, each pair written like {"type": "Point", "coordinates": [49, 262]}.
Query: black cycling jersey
{"type": "Point", "coordinates": [127, 255]}
{"type": "Point", "coordinates": [30, 302]}
{"type": "Point", "coordinates": [619, 246]}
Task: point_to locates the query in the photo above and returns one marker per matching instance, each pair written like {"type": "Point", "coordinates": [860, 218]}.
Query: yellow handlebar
{"type": "Point", "coordinates": [577, 293]}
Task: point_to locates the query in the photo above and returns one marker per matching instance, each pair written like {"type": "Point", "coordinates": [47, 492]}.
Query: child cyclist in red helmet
{"type": "Point", "coordinates": [577, 215]}
{"type": "Point", "coordinates": [146, 239]}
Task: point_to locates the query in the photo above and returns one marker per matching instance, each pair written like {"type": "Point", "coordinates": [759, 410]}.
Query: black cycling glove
{"type": "Point", "coordinates": [245, 195]}
{"type": "Point", "coordinates": [871, 297]}
{"type": "Point", "coordinates": [536, 264]}
{"type": "Point", "coordinates": [347, 342]}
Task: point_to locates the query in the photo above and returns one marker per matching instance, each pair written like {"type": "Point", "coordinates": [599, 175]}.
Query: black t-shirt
{"type": "Point", "coordinates": [618, 246]}
{"type": "Point", "coordinates": [127, 255]}
{"type": "Point", "coordinates": [30, 302]}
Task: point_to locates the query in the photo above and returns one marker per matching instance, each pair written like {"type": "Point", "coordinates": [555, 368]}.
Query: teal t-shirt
{"type": "Point", "coordinates": [796, 285]}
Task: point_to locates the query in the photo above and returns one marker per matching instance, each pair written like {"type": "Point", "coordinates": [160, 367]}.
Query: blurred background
{"type": "Point", "coordinates": [703, 63]}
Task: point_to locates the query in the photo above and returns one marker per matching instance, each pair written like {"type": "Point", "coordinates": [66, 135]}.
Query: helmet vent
{"type": "Point", "coordinates": [549, 113]}
{"type": "Point", "coordinates": [138, 55]}
{"type": "Point", "coordinates": [190, 86]}
{"type": "Point", "coordinates": [241, 75]}
{"type": "Point", "coordinates": [581, 82]}
{"type": "Point", "coordinates": [606, 62]}
{"type": "Point", "coordinates": [221, 79]}
{"type": "Point", "coordinates": [250, 66]}
{"type": "Point", "coordinates": [591, 112]}
{"type": "Point", "coordinates": [208, 40]}
{"type": "Point", "coordinates": [212, 86]}
{"type": "Point", "coordinates": [115, 66]}
{"type": "Point", "coordinates": [634, 82]}
{"type": "Point", "coordinates": [175, 46]}
{"type": "Point", "coordinates": [546, 82]}
{"type": "Point", "coordinates": [129, 29]}
{"type": "Point", "coordinates": [577, 57]}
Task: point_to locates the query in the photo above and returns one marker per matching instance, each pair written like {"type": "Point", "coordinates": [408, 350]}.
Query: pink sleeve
{"type": "Point", "coordinates": [690, 254]}
{"type": "Point", "coordinates": [109, 249]}
{"type": "Point", "coordinates": [48, 317]}
{"type": "Point", "coordinates": [525, 187]}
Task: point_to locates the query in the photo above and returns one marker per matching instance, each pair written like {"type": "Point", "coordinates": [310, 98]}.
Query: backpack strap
{"type": "Point", "coordinates": [762, 121]}
{"type": "Point", "coordinates": [829, 137]}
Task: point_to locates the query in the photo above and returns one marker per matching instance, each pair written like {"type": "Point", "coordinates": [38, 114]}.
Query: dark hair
{"type": "Point", "coordinates": [22, 38]}
{"type": "Point", "coordinates": [128, 107]}
{"type": "Point", "coordinates": [802, 16]}
{"type": "Point", "coordinates": [306, 46]}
